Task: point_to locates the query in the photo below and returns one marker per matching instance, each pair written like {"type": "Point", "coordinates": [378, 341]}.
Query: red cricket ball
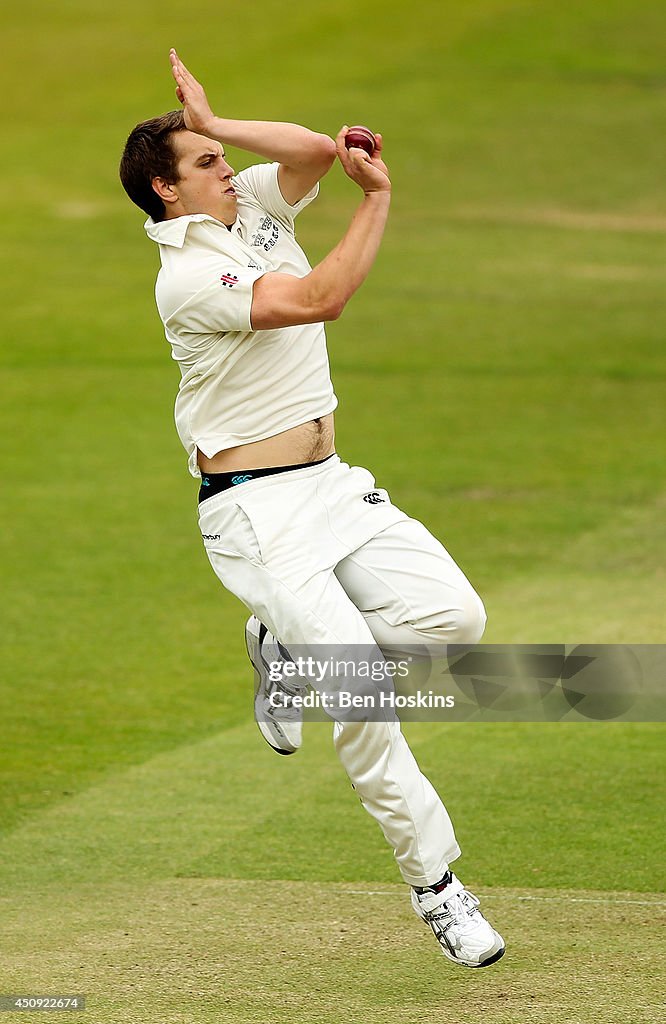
{"type": "Point", "coordinates": [360, 137]}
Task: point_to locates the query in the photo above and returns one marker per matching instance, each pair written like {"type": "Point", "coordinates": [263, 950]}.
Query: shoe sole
{"type": "Point", "coordinates": [252, 646]}
{"type": "Point", "coordinates": [484, 963]}
{"type": "Point", "coordinates": [494, 958]}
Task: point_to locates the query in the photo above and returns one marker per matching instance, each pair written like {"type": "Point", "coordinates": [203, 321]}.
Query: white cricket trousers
{"type": "Point", "coordinates": [321, 556]}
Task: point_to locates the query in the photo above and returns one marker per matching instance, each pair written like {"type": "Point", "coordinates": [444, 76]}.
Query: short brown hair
{"type": "Point", "coordinates": [149, 154]}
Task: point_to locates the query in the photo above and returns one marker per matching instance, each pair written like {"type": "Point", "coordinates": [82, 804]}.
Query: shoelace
{"type": "Point", "coordinates": [458, 909]}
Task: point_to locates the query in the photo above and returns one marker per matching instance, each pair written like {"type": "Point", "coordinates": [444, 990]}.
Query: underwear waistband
{"type": "Point", "coordinates": [213, 483]}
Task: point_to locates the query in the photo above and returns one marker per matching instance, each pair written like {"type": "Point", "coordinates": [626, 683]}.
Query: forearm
{"type": "Point", "coordinates": [284, 143]}
{"type": "Point", "coordinates": [282, 300]}
{"type": "Point", "coordinates": [333, 281]}
{"type": "Point", "coordinates": [290, 145]}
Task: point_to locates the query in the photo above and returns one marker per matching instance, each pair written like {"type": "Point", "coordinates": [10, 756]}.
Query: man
{"type": "Point", "coordinates": [319, 555]}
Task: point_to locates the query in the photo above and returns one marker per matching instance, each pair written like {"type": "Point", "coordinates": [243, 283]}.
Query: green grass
{"type": "Point", "coordinates": [502, 372]}
{"type": "Point", "coordinates": [174, 890]}
{"type": "Point", "coordinates": [207, 950]}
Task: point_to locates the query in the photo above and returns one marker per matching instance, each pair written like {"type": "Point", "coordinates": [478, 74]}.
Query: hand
{"type": "Point", "coordinates": [198, 115]}
{"type": "Point", "coordinates": [369, 172]}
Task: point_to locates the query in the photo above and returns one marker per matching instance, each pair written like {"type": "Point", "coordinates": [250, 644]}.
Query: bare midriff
{"type": "Point", "coordinates": [308, 442]}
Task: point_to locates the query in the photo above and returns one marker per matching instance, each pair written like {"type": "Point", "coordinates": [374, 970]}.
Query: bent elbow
{"type": "Point", "coordinates": [329, 151]}
{"type": "Point", "coordinates": [332, 309]}
{"type": "Point", "coordinates": [325, 149]}
{"type": "Point", "coordinates": [324, 303]}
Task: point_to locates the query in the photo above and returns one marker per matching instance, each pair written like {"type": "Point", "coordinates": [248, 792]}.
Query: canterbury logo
{"type": "Point", "coordinates": [373, 498]}
{"type": "Point", "coordinates": [241, 479]}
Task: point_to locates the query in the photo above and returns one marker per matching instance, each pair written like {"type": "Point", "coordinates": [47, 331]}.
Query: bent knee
{"type": "Point", "coordinates": [470, 621]}
{"type": "Point", "coordinates": [461, 621]}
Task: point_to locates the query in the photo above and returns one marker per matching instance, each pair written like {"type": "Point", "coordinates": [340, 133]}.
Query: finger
{"type": "Point", "coordinates": [187, 75]}
{"type": "Point", "coordinates": [343, 152]}
{"type": "Point", "coordinates": [340, 140]}
{"type": "Point", "coordinates": [340, 137]}
{"type": "Point", "coordinates": [176, 68]}
{"type": "Point", "coordinates": [179, 94]}
{"type": "Point", "coordinates": [175, 61]}
{"type": "Point", "coordinates": [186, 79]}
{"type": "Point", "coordinates": [379, 143]}
{"type": "Point", "coordinates": [179, 68]}
{"type": "Point", "coordinates": [358, 156]}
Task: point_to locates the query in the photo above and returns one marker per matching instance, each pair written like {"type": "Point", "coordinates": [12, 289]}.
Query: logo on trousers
{"type": "Point", "coordinates": [373, 498]}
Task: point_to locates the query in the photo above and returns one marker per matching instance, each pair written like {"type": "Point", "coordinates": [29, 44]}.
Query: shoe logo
{"type": "Point", "coordinates": [373, 498]}
{"type": "Point", "coordinates": [241, 478]}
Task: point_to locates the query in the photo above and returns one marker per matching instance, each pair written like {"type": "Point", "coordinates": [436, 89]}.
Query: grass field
{"type": "Point", "coordinates": [502, 373]}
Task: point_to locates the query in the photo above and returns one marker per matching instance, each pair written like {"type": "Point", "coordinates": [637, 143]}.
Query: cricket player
{"type": "Point", "coordinates": [316, 551]}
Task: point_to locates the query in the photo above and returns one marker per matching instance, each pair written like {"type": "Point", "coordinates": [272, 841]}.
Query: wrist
{"type": "Point", "coordinates": [214, 128]}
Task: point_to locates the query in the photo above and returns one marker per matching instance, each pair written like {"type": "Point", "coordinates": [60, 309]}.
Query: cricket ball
{"type": "Point", "coordinates": [360, 137]}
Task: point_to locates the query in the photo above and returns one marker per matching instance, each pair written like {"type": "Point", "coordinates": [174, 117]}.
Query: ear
{"type": "Point", "coordinates": [165, 191]}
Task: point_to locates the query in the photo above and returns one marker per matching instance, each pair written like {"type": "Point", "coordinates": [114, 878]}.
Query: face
{"type": "Point", "coordinates": [204, 184]}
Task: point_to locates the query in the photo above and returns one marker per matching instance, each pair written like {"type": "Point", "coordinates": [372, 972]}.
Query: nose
{"type": "Point", "coordinates": [227, 170]}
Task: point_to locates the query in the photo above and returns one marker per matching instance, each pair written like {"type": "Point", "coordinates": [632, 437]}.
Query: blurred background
{"type": "Point", "coordinates": [501, 372]}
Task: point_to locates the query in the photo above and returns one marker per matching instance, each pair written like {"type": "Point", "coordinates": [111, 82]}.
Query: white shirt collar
{"type": "Point", "coordinates": [173, 231]}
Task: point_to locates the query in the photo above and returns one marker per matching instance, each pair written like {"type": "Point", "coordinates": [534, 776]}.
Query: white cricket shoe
{"type": "Point", "coordinates": [280, 723]}
{"type": "Point", "coordinates": [462, 931]}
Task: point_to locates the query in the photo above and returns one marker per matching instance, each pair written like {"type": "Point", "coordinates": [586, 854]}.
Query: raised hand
{"type": "Point", "coordinates": [198, 115]}
{"type": "Point", "coordinates": [369, 172]}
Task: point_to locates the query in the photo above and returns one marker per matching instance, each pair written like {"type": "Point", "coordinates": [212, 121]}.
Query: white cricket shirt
{"type": "Point", "coordinates": [237, 385]}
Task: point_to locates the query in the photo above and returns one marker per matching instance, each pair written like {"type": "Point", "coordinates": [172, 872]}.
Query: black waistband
{"type": "Point", "coordinates": [213, 483]}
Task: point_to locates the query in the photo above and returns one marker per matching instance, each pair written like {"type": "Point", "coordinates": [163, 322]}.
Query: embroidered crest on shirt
{"type": "Point", "coordinates": [266, 241]}
{"type": "Point", "coordinates": [228, 280]}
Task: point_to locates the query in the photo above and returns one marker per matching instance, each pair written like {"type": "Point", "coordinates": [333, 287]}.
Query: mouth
{"type": "Point", "coordinates": [230, 191]}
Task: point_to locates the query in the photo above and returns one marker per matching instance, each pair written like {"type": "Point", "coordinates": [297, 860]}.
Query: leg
{"type": "Point", "coordinates": [275, 548]}
{"type": "Point", "coordinates": [381, 766]}
{"type": "Point", "coordinates": [375, 754]}
{"type": "Point", "coordinates": [311, 608]}
{"type": "Point", "coordinates": [410, 591]}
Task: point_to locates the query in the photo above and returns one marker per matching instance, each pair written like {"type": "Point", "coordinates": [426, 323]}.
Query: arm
{"type": "Point", "coordinates": [281, 300]}
{"type": "Point", "coordinates": [304, 156]}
